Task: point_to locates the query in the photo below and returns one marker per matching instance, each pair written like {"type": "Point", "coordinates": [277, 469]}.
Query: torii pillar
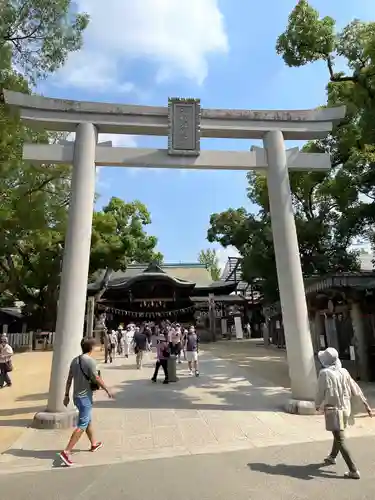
{"type": "Point", "coordinates": [299, 346]}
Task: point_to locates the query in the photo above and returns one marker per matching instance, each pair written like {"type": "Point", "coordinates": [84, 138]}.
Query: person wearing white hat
{"type": "Point", "coordinates": [336, 389]}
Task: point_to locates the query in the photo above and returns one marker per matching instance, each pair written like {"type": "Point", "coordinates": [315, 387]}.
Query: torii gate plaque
{"type": "Point", "coordinates": [184, 133]}
{"type": "Point", "coordinates": [184, 122]}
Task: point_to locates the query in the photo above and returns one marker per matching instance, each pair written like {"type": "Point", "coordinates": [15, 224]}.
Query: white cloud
{"type": "Point", "coordinates": [224, 253]}
{"type": "Point", "coordinates": [177, 36]}
{"type": "Point", "coordinates": [84, 70]}
{"type": "Point", "coordinates": [119, 141]}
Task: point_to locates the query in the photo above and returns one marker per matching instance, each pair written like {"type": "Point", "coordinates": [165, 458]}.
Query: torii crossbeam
{"type": "Point", "coordinates": [159, 158]}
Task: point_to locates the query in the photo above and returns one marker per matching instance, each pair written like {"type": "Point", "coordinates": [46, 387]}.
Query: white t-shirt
{"type": "Point", "coordinates": [176, 337]}
{"type": "Point", "coordinates": [130, 335]}
{"type": "Point", "coordinates": [6, 352]}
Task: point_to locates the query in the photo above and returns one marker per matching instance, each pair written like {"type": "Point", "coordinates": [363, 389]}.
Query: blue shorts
{"type": "Point", "coordinates": [84, 407]}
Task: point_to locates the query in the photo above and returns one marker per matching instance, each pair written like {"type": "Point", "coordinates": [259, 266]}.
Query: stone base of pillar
{"type": "Point", "coordinates": [300, 407]}
{"type": "Point", "coordinates": [59, 420]}
{"type": "Point", "coordinates": [172, 369]}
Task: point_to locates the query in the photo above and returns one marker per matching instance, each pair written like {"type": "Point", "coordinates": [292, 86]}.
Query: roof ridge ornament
{"type": "Point", "coordinates": [154, 267]}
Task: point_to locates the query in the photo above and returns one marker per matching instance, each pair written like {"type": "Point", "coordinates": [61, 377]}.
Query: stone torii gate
{"type": "Point", "coordinates": [184, 122]}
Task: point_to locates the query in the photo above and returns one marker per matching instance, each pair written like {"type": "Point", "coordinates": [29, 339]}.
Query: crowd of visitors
{"type": "Point", "coordinates": [168, 339]}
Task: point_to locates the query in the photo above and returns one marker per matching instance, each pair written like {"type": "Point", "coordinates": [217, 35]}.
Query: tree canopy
{"type": "Point", "coordinates": [40, 34]}
{"type": "Point", "coordinates": [210, 259]}
{"type": "Point", "coordinates": [31, 266]}
{"type": "Point", "coordinates": [331, 209]}
{"type": "Point", "coordinates": [36, 36]}
{"type": "Point", "coordinates": [119, 238]}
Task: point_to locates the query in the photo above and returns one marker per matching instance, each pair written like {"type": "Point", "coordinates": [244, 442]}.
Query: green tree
{"type": "Point", "coordinates": [30, 261]}
{"type": "Point", "coordinates": [40, 34]}
{"type": "Point", "coordinates": [210, 259]}
{"type": "Point", "coordinates": [36, 37]}
{"type": "Point", "coordinates": [308, 39]}
{"type": "Point", "coordinates": [329, 209]}
{"type": "Point", "coordinates": [252, 237]}
{"type": "Point", "coordinates": [119, 238]}
{"type": "Point", "coordinates": [33, 204]}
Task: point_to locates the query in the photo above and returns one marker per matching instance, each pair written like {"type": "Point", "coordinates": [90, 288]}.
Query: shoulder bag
{"type": "Point", "coordinates": [94, 386]}
{"type": "Point", "coordinates": [9, 366]}
{"type": "Point", "coordinates": [335, 419]}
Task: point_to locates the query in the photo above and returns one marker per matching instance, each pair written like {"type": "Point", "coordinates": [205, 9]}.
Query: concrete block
{"type": "Point", "coordinates": [61, 420]}
{"type": "Point", "coordinates": [299, 407]}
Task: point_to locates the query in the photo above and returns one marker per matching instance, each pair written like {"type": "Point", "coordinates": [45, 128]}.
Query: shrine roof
{"type": "Point", "coordinates": [183, 274]}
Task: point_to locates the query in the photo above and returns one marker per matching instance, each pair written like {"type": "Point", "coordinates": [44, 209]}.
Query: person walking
{"type": "Point", "coordinates": [112, 345]}
{"type": "Point", "coordinates": [140, 342]}
{"type": "Point", "coordinates": [191, 350]}
{"type": "Point", "coordinates": [183, 341]}
{"type": "Point", "coordinates": [176, 336]}
{"type": "Point", "coordinates": [107, 347]}
{"type": "Point", "coordinates": [120, 340]}
{"type": "Point", "coordinates": [336, 391]}
{"type": "Point", "coordinates": [128, 338]}
{"type": "Point", "coordinates": [6, 366]}
{"type": "Point", "coordinates": [162, 353]}
{"type": "Point", "coordinates": [148, 333]}
{"type": "Point", "coordinates": [86, 379]}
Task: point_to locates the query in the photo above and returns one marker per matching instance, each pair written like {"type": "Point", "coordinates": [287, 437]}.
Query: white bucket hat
{"type": "Point", "coordinates": [328, 357]}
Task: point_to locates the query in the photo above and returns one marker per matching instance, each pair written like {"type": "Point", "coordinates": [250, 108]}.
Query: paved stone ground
{"type": "Point", "coordinates": [226, 409]}
{"type": "Point", "coordinates": [282, 472]}
{"type": "Point", "coordinates": [269, 363]}
{"type": "Point", "coordinates": [27, 396]}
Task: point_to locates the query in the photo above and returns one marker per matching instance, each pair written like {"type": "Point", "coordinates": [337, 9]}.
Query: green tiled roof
{"type": "Point", "coordinates": [189, 272]}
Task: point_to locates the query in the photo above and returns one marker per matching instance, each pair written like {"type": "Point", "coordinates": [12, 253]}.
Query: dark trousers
{"type": "Point", "coordinates": [161, 363]}
{"type": "Point", "coordinates": [108, 353]}
{"type": "Point", "coordinates": [4, 375]}
{"type": "Point", "coordinates": [175, 348]}
{"type": "Point", "coordinates": [339, 446]}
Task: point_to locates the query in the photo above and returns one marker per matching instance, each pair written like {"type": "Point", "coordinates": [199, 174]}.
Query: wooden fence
{"type": "Point", "coordinates": [31, 341]}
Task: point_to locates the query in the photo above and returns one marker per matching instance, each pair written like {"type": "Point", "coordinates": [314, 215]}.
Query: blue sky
{"type": "Point", "coordinates": [220, 51]}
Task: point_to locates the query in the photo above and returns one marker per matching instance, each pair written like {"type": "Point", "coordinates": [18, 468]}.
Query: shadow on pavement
{"type": "Point", "coordinates": [39, 454]}
{"type": "Point", "coordinates": [17, 422]}
{"type": "Point", "coordinates": [109, 366]}
{"type": "Point", "coordinates": [33, 397]}
{"type": "Point", "coordinates": [13, 412]}
{"type": "Point", "coordinates": [305, 472]}
{"type": "Point", "coordinates": [50, 455]}
{"type": "Point", "coordinates": [269, 363]}
{"type": "Point", "coordinates": [215, 389]}
{"type": "Point", "coordinates": [18, 417]}
{"type": "Point", "coordinates": [10, 412]}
